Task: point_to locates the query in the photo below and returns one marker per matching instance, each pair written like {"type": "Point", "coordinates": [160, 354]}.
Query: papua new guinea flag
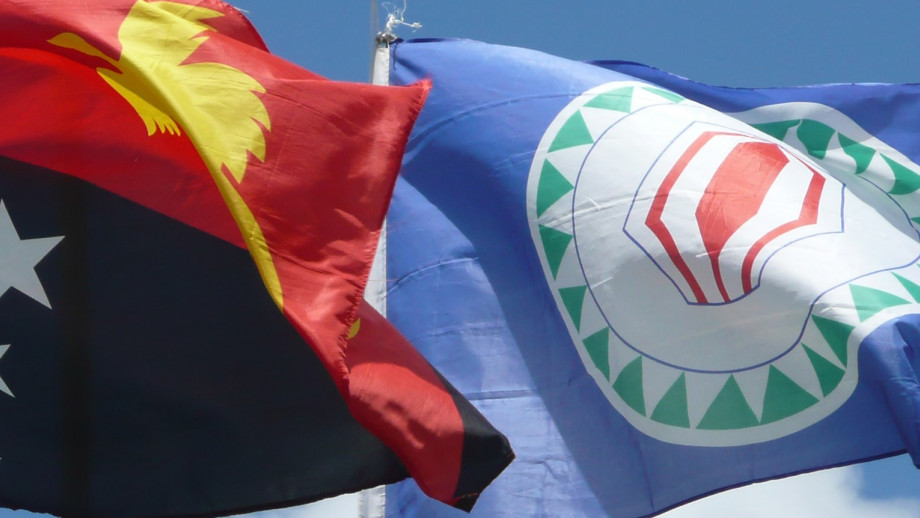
{"type": "Point", "coordinates": [145, 371]}
{"type": "Point", "coordinates": [657, 289]}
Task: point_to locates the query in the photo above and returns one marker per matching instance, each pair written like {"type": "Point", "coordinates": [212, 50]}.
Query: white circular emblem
{"type": "Point", "coordinates": [717, 277]}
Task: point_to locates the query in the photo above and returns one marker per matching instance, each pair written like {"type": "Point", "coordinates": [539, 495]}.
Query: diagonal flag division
{"type": "Point", "coordinates": [159, 149]}
{"type": "Point", "coordinates": [658, 289]}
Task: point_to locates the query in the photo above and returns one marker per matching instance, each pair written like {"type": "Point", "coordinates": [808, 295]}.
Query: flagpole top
{"type": "Point", "coordinates": [385, 38]}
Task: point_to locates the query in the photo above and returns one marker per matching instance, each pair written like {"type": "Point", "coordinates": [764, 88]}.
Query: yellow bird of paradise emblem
{"type": "Point", "coordinates": [215, 104]}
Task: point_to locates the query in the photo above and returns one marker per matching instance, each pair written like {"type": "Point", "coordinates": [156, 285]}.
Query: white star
{"type": "Point", "coordinates": [3, 386]}
{"type": "Point", "coordinates": [18, 259]}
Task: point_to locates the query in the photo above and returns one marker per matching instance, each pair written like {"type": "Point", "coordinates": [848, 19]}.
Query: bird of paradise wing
{"type": "Point", "coordinates": [215, 104]}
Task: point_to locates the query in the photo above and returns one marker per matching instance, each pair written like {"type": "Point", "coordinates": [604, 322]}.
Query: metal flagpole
{"type": "Point", "coordinates": [372, 502]}
{"type": "Point", "coordinates": [375, 29]}
{"type": "Point", "coordinates": [375, 293]}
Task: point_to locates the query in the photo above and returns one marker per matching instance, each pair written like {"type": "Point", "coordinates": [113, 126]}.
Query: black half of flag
{"type": "Point", "coordinates": [146, 372]}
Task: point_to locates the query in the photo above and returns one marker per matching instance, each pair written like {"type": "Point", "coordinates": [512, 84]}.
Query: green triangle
{"type": "Point", "coordinates": [667, 94]}
{"type": "Point", "coordinates": [905, 180]}
{"type": "Point", "coordinates": [816, 136]}
{"type": "Point", "coordinates": [553, 185]}
{"type": "Point", "coordinates": [672, 408]}
{"type": "Point", "coordinates": [729, 410]}
{"type": "Point", "coordinates": [916, 220]}
{"type": "Point", "coordinates": [777, 130]}
{"type": "Point", "coordinates": [911, 287]}
{"type": "Point", "coordinates": [574, 299]}
{"type": "Point", "coordinates": [784, 397]}
{"type": "Point", "coordinates": [836, 334]}
{"type": "Point", "coordinates": [555, 243]}
{"type": "Point", "coordinates": [618, 100]}
{"type": "Point", "coordinates": [573, 133]}
{"type": "Point", "coordinates": [596, 345]}
{"type": "Point", "coordinates": [629, 385]}
{"type": "Point", "coordinates": [870, 301]}
{"type": "Point", "coordinates": [861, 153]}
{"type": "Point", "coordinates": [828, 374]}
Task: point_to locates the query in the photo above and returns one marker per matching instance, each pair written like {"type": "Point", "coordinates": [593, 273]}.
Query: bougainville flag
{"type": "Point", "coordinates": [149, 152]}
{"type": "Point", "coordinates": [657, 289]}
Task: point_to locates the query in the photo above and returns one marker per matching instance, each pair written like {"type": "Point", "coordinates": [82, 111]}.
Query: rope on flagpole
{"type": "Point", "coordinates": [396, 17]}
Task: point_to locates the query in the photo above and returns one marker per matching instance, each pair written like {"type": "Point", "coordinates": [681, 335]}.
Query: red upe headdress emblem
{"type": "Point", "coordinates": [719, 209]}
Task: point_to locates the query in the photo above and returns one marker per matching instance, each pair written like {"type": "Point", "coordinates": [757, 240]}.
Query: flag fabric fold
{"type": "Point", "coordinates": [656, 288]}
{"type": "Point", "coordinates": [148, 147]}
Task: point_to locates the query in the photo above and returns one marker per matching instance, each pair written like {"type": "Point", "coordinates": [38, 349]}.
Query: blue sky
{"type": "Point", "coordinates": [725, 42]}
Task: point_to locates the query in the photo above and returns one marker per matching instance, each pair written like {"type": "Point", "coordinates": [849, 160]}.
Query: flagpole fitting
{"type": "Point", "coordinates": [395, 18]}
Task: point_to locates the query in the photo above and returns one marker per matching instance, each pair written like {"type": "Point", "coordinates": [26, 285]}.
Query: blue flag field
{"type": "Point", "coordinates": [656, 288]}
